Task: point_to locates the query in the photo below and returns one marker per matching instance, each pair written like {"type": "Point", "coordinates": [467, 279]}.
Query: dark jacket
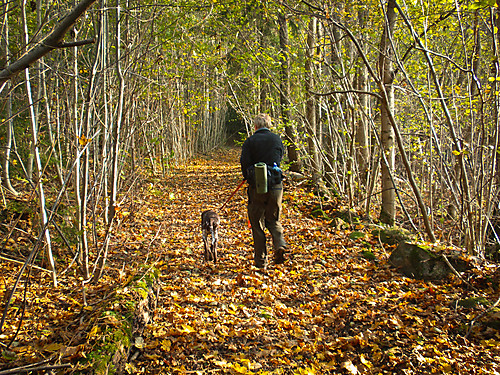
{"type": "Point", "coordinates": [262, 146]}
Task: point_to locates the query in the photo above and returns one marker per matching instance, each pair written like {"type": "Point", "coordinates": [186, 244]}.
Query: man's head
{"type": "Point", "coordinates": [262, 120]}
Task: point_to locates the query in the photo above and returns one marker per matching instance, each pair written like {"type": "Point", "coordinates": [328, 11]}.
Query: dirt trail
{"type": "Point", "coordinates": [328, 309]}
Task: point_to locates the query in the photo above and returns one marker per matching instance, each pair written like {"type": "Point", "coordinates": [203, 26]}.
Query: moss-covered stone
{"type": "Point", "coordinates": [349, 216]}
{"type": "Point", "coordinates": [473, 302]}
{"type": "Point", "coordinates": [116, 341]}
{"type": "Point", "coordinates": [392, 235]}
{"type": "Point", "coordinates": [418, 263]}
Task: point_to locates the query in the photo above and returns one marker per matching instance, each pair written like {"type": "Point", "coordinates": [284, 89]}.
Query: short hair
{"type": "Point", "coordinates": [262, 120]}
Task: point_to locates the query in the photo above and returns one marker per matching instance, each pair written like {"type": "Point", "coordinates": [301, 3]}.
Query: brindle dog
{"type": "Point", "coordinates": [209, 226]}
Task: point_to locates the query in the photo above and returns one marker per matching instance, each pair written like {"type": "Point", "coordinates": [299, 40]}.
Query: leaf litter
{"type": "Point", "coordinates": [328, 309]}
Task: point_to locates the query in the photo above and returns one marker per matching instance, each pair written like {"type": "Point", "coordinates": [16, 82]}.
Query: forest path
{"type": "Point", "coordinates": [327, 309]}
{"type": "Point", "coordinates": [230, 317]}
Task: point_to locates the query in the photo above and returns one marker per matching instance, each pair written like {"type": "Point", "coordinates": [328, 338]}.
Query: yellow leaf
{"type": "Point", "coordinates": [364, 361]}
{"type": "Point", "coordinates": [446, 368]}
{"type": "Point", "coordinates": [130, 368]}
{"type": "Point", "coordinates": [455, 152]}
{"type": "Point", "coordinates": [491, 342]}
{"type": "Point", "coordinates": [187, 328]}
{"type": "Point", "coordinates": [305, 371]}
{"type": "Point", "coordinates": [166, 345]}
{"type": "Point", "coordinates": [241, 369]}
{"type": "Point", "coordinates": [54, 347]}
{"type": "Point", "coordinates": [75, 301]}
{"type": "Point", "coordinates": [83, 140]}
{"type": "Point", "coordinates": [22, 349]}
{"type": "Point", "coordinates": [93, 332]}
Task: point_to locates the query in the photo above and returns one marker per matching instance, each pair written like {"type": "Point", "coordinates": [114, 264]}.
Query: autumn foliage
{"type": "Point", "coordinates": [328, 309]}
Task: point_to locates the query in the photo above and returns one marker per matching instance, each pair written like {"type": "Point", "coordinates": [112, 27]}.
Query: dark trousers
{"type": "Point", "coordinates": [264, 212]}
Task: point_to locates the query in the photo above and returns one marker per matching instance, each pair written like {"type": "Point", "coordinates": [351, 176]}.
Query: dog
{"type": "Point", "coordinates": [209, 226]}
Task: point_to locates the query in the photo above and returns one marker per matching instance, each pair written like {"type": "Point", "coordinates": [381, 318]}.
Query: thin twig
{"type": "Point", "coordinates": [31, 365]}
{"type": "Point", "coordinates": [478, 317]}
{"type": "Point", "coordinates": [20, 370]}
{"type": "Point", "coordinates": [19, 262]}
{"type": "Point", "coordinates": [456, 272]}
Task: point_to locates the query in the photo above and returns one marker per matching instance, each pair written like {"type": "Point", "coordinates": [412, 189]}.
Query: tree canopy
{"type": "Point", "coordinates": [390, 109]}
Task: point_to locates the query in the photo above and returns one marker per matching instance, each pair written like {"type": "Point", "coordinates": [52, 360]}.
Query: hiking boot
{"type": "Point", "coordinates": [261, 268]}
{"type": "Point", "coordinates": [261, 265]}
{"type": "Point", "coordinates": [279, 256]}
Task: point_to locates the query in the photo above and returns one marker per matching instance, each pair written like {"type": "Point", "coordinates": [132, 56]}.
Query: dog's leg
{"type": "Point", "coordinates": [206, 254]}
{"type": "Point", "coordinates": [214, 242]}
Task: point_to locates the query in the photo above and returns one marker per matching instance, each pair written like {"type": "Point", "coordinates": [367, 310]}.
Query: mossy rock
{"type": "Point", "coordinates": [393, 235]}
{"type": "Point", "coordinates": [348, 216]}
{"type": "Point", "coordinates": [122, 338]}
{"type": "Point", "coordinates": [492, 319]}
{"type": "Point", "coordinates": [473, 302]}
{"type": "Point", "coordinates": [418, 263]}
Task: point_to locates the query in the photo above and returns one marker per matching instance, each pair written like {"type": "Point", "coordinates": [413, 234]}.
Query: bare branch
{"type": "Point", "coordinates": [49, 43]}
{"type": "Point", "coordinates": [76, 43]}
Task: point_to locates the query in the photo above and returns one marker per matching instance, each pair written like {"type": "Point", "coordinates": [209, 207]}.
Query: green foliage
{"type": "Point", "coordinates": [241, 138]}
{"type": "Point", "coordinates": [356, 235]}
{"type": "Point", "coordinates": [368, 255]}
{"type": "Point", "coordinates": [479, 4]}
{"type": "Point", "coordinates": [320, 214]}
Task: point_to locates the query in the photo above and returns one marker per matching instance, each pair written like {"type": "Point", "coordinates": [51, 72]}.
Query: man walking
{"type": "Point", "coordinates": [264, 209]}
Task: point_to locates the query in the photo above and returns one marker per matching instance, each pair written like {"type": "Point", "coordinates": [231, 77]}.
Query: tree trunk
{"type": "Point", "coordinates": [38, 163]}
{"type": "Point", "coordinates": [311, 103]}
{"type": "Point", "coordinates": [4, 57]}
{"type": "Point", "coordinates": [115, 148]}
{"type": "Point", "coordinates": [293, 158]}
{"type": "Point", "coordinates": [361, 133]}
{"type": "Point", "coordinates": [388, 208]}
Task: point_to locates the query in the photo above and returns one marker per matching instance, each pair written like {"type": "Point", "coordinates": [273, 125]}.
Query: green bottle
{"type": "Point", "coordinates": [261, 178]}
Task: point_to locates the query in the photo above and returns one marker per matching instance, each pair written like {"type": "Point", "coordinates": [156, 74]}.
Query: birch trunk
{"type": "Point", "coordinates": [115, 148]}
{"type": "Point", "coordinates": [10, 123]}
{"type": "Point", "coordinates": [311, 103]}
{"type": "Point", "coordinates": [388, 208]}
{"type": "Point", "coordinates": [285, 94]}
{"type": "Point", "coordinates": [36, 157]}
{"type": "Point", "coordinates": [361, 133]}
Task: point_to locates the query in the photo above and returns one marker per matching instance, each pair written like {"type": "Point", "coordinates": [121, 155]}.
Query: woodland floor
{"type": "Point", "coordinates": [328, 309]}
